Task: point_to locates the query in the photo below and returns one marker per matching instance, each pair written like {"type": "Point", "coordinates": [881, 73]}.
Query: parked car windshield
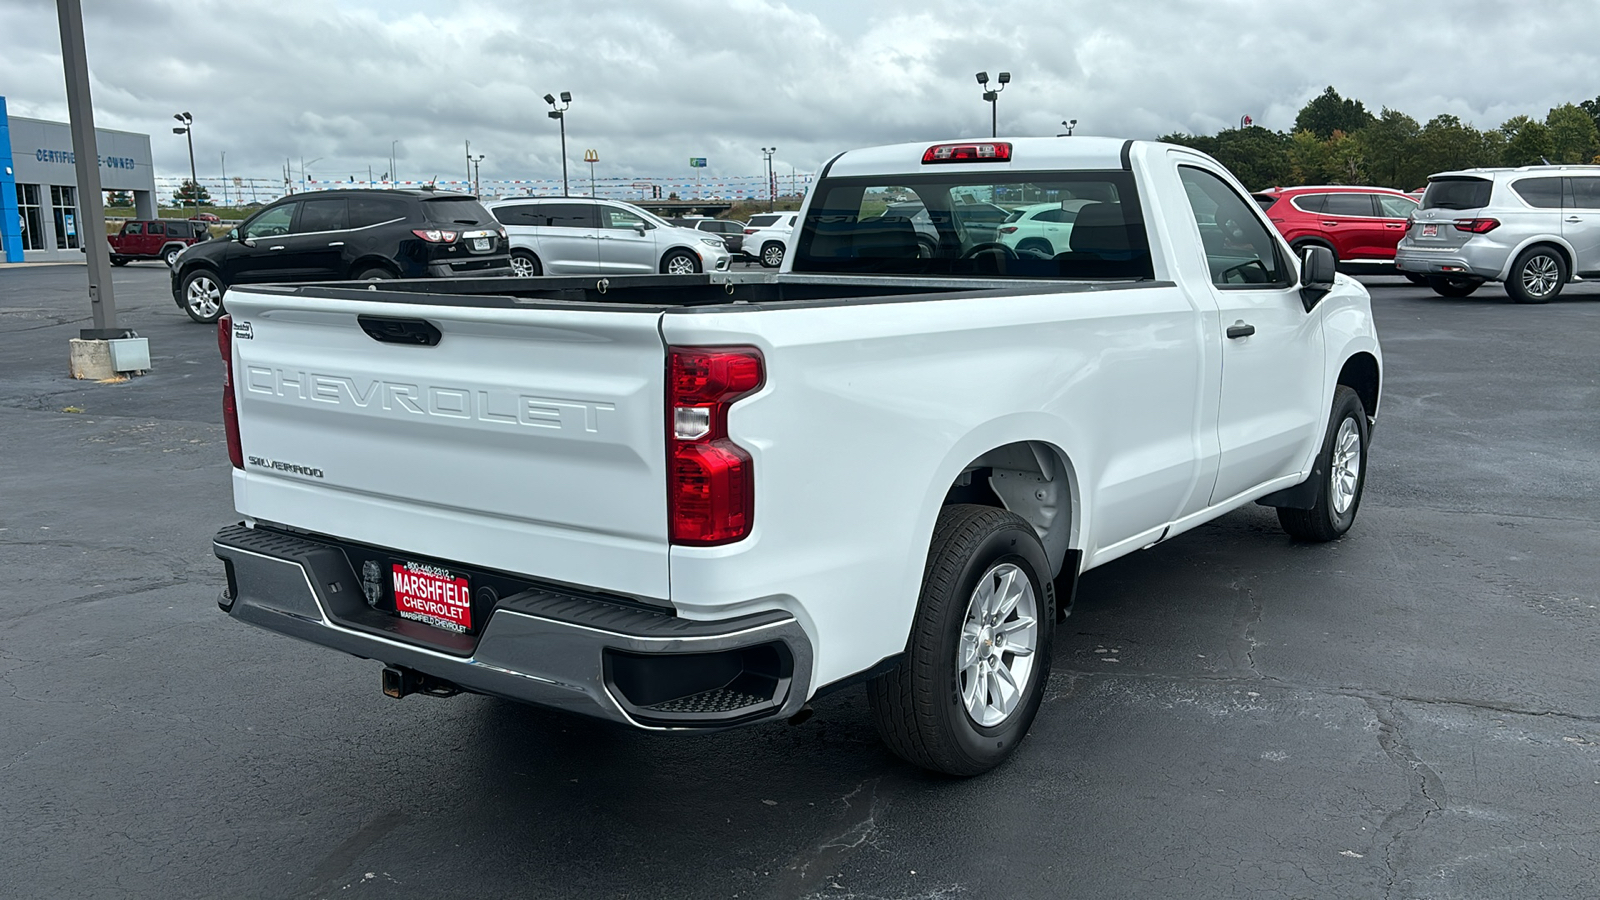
{"type": "Point", "coordinates": [853, 226]}
{"type": "Point", "coordinates": [1457, 193]}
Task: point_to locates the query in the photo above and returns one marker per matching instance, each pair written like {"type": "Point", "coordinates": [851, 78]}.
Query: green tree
{"type": "Point", "coordinates": [1527, 142]}
{"type": "Point", "coordinates": [190, 192]}
{"type": "Point", "coordinates": [1446, 143]}
{"type": "Point", "coordinates": [1310, 159]}
{"type": "Point", "coordinates": [1347, 162]}
{"type": "Point", "coordinates": [1201, 142]}
{"type": "Point", "coordinates": [1573, 136]}
{"type": "Point", "coordinates": [1388, 149]}
{"type": "Point", "coordinates": [1328, 112]}
{"type": "Point", "coordinates": [1257, 157]}
{"type": "Point", "coordinates": [1592, 107]}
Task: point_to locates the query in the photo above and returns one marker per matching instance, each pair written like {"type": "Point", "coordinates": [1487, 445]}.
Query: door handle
{"type": "Point", "coordinates": [1240, 330]}
{"type": "Point", "coordinates": [279, 247]}
{"type": "Point", "coordinates": [1574, 218]}
{"type": "Point", "coordinates": [336, 243]}
{"type": "Point", "coordinates": [1330, 224]}
{"type": "Point", "coordinates": [1395, 226]}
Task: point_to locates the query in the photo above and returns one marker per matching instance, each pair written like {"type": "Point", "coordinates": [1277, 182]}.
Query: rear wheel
{"type": "Point", "coordinates": [974, 670]}
{"type": "Point", "coordinates": [1414, 278]}
{"type": "Point", "coordinates": [926, 248]}
{"type": "Point", "coordinates": [1537, 276]}
{"type": "Point", "coordinates": [202, 296]}
{"type": "Point", "coordinates": [119, 260]}
{"type": "Point", "coordinates": [525, 264]}
{"type": "Point", "coordinates": [374, 273]}
{"type": "Point", "coordinates": [1341, 471]}
{"type": "Point", "coordinates": [680, 262]}
{"type": "Point", "coordinates": [1453, 287]}
{"type": "Point", "coordinates": [772, 254]}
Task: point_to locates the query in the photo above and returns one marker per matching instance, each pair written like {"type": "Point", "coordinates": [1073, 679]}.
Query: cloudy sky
{"type": "Point", "coordinates": [658, 81]}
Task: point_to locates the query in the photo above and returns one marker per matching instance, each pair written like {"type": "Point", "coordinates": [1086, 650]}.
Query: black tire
{"type": "Point", "coordinates": [926, 248]}
{"type": "Point", "coordinates": [1038, 244]}
{"type": "Point", "coordinates": [1453, 287]}
{"type": "Point", "coordinates": [1325, 521]}
{"type": "Point", "coordinates": [1537, 276]}
{"type": "Point", "coordinates": [1414, 278]}
{"type": "Point", "coordinates": [201, 295]}
{"type": "Point", "coordinates": [680, 260]}
{"type": "Point", "coordinates": [525, 264]}
{"type": "Point", "coordinates": [917, 706]}
{"type": "Point", "coordinates": [119, 260]}
{"type": "Point", "coordinates": [772, 254]}
{"type": "Point", "coordinates": [170, 256]}
{"type": "Point", "coordinates": [374, 273]}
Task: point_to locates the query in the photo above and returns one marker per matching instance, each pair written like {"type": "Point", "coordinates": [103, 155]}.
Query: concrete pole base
{"type": "Point", "coordinates": [92, 359]}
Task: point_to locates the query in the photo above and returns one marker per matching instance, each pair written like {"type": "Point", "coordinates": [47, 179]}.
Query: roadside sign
{"type": "Point", "coordinates": [697, 162]}
{"type": "Point", "coordinates": [590, 156]}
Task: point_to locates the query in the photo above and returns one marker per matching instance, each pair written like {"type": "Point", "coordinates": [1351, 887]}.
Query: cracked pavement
{"type": "Point", "coordinates": [1412, 712]}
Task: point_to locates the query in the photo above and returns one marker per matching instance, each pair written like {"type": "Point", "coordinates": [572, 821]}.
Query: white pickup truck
{"type": "Point", "coordinates": [692, 502]}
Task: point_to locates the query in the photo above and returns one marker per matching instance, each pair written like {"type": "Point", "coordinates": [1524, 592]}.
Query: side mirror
{"type": "Point", "coordinates": [640, 229]}
{"type": "Point", "coordinates": [1316, 275]}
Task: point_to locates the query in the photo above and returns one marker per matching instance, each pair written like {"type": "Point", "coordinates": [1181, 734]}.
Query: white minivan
{"type": "Point", "coordinates": [583, 236]}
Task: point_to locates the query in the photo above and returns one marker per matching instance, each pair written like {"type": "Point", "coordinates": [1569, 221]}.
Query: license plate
{"type": "Point", "coordinates": [1430, 231]}
{"type": "Point", "coordinates": [432, 595]}
{"type": "Point", "coordinates": [480, 243]}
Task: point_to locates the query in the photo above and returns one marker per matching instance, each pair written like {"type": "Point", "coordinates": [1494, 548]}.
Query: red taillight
{"type": "Point", "coordinates": [1476, 226]}
{"type": "Point", "coordinates": [750, 231]}
{"type": "Point", "coordinates": [1008, 229]}
{"type": "Point", "coordinates": [435, 235]}
{"type": "Point", "coordinates": [710, 479]}
{"type": "Point", "coordinates": [990, 151]}
{"type": "Point", "coordinates": [230, 413]}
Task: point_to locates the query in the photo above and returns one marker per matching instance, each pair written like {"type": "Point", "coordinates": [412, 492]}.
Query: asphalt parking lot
{"type": "Point", "coordinates": [1412, 712]}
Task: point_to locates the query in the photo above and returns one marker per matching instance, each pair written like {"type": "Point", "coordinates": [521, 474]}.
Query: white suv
{"type": "Point", "coordinates": [582, 236]}
{"type": "Point", "coordinates": [766, 237]}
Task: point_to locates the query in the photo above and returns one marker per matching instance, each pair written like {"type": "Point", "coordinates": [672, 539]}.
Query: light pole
{"type": "Point", "coordinates": [477, 188]}
{"type": "Point", "coordinates": [772, 186]}
{"type": "Point", "coordinates": [559, 113]}
{"type": "Point", "coordinates": [224, 178]}
{"type": "Point", "coordinates": [303, 165]}
{"type": "Point", "coordinates": [188, 131]}
{"type": "Point", "coordinates": [994, 99]}
{"type": "Point", "coordinates": [469, 163]}
{"type": "Point", "coordinates": [393, 175]}
{"type": "Point", "coordinates": [591, 157]}
{"type": "Point", "coordinates": [1068, 124]}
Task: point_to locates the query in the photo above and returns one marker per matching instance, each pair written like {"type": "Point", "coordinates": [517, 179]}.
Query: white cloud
{"type": "Point", "coordinates": [657, 82]}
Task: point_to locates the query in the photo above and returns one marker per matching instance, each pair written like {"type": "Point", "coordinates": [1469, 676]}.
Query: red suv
{"type": "Point", "coordinates": [161, 239]}
{"type": "Point", "coordinates": [1361, 225]}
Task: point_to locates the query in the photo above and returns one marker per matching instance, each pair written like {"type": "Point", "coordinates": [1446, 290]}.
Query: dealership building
{"type": "Point", "coordinates": [39, 219]}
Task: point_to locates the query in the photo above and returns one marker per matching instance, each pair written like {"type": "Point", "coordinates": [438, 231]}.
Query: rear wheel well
{"type": "Point", "coordinates": [1562, 251]}
{"type": "Point", "coordinates": [1029, 478]}
{"type": "Point", "coordinates": [1360, 374]}
{"type": "Point", "coordinates": [373, 262]}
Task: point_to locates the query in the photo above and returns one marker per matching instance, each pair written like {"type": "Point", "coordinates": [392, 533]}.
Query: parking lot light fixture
{"type": "Point", "coordinates": [772, 185]}
{"type": "Point", "coordinates": [993, 98]}
{"type": "Point", "coordinates": [188, 131]}
{"type": "Point", "coordinates": [559, 113]}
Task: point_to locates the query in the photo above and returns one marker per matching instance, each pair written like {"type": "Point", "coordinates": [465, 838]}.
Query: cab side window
{"type": "Point", "coordinates": [1238, 248]}
{"type": "Point", "coordinates": [157, 228]}
{"type": "Point", "coordinates": [1347, 204]}
{"type": "Point", "coordinates": [271, 222]}
{"type": "Point", "coordinates": [323, 214]}
{"type": "Point", "coordinates": [367, 210]}
{"type": "Point", "coordinates": [1393, 207]}
{"type": "Point", "coordinates": [133, 228]}
{"type": "Point", "coordinates": [611, 217]}
{"type": "Point", "coordinates": [1585, 193]}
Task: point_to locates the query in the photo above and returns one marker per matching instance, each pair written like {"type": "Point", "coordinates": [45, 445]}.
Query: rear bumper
{"type": "Point", "coordinates": [541, 646]}
{"type": "Point", "coordinates": [471, 266]}
{"type": "Point", "coordinates": [1487, 263]}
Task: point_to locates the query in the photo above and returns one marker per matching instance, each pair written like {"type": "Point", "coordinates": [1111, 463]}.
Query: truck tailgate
{"type": "Point", "coordinates": [527, 440]}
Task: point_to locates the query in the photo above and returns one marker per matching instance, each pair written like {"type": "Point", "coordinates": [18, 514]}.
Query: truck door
{"type": "Point", "coordinates": [1271, 412]}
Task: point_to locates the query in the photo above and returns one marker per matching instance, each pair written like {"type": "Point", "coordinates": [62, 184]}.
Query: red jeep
{"type": "Point", "coordinates": [1361, 225]}
{"type": "Point", "coordinates": [161, 239]}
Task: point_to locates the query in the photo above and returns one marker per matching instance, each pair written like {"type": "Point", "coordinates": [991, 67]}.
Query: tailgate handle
{"type": "Point", "coordinates": [400, 331]}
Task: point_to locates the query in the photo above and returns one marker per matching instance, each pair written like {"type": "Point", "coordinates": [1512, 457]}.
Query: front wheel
{"type": "Point", "coordinates": [973, 674]}
{"type": "Point", "coordinates": [680, 262]}
{"type": "Point", "coordinates": [1537, 276]}
{"type": "Point", "coordinates": [772, 254]}
{"type": "Point", "coordinates": [119, 260]}
{"type": "Point", "coordinates": [1341, 473]}
{"type": "Point", "coordinates": [170, 256]}
{"type": "Point", "coordinates": [202, 296]}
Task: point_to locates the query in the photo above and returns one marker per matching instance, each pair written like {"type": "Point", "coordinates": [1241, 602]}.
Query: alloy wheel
{"type": "Point", "coordinates": [204, 297]}
{"type": "Point", "coordinates": [1345, 470]}
{"type": "Point", "coordinates": [680, 265]}
{"type": "Point", "coordinates": [995, 654]}
{"type": "Point", "coordinates": [522, 266]}
{"type": "Point", "coordinates": [1540, 275]}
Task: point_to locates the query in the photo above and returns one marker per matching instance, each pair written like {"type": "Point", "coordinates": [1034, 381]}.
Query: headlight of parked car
{"type": "Point", "coordinates": [713, 242]}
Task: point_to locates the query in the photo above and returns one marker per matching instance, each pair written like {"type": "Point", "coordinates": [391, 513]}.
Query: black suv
{"type": "Point", "coordinates": [347, 234]}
